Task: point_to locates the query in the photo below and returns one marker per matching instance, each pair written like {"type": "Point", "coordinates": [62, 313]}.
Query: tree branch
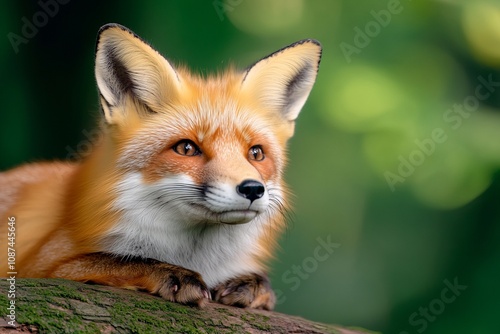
{"type": "Point", "coordinates": [61, 306]}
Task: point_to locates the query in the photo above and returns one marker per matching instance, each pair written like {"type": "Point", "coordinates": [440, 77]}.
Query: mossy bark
{"type": "Point", "coordinates": [61, 306]}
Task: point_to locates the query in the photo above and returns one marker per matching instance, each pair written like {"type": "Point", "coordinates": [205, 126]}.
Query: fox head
{"type": "Point", "coordinates": [200, 150]}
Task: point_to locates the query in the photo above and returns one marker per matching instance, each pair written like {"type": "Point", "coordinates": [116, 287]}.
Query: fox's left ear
{"type": "Point", "coordinates": [283, 80]}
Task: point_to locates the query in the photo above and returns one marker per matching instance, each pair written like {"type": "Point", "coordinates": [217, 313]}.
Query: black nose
{"type": "Point", "coordinates": [251, 189]}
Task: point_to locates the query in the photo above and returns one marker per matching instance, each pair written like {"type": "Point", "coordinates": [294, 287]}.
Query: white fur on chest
{"type": "Point", "coordinates": [153, 225]}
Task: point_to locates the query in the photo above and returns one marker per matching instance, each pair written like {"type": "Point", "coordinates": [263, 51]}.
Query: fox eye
{"type": "Point", "coordinates": [256, 153]}
{"type": "Point", "coordinates": [186, 147]}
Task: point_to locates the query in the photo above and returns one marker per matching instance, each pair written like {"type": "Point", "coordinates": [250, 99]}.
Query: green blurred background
{"type": "Point", "coordinates": [409, 213]}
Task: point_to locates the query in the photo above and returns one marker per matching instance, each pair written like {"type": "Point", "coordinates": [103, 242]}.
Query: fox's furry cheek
{"type": "Point", "coordinates": [167, 163]}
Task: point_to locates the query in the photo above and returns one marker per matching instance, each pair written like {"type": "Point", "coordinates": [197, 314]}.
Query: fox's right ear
{"type": "Point", "coordinates": [126, 65]}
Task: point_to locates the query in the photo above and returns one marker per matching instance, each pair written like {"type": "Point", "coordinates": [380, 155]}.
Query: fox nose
{"type": "Point", "coordinates": [251, 189]}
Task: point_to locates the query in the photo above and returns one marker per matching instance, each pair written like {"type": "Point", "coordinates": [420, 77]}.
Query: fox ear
{"type": "Point", "coordinates": [284, 79]}
{"type": "Point", "coordinates": [126, 65]}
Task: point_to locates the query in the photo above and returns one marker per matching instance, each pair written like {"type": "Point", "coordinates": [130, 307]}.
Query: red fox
{"type": "Point", "coordinates": [182, 196]}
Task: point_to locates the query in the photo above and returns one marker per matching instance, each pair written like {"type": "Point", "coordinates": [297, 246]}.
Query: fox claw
{"type": "Point", "coordinates": [251, 290]}
{"type": "Point", "coordinates": [183, 286]}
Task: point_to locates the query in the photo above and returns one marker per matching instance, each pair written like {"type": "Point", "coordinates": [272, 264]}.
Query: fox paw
{"type": "Point", "coordinates": [181, 285]}
{"type": "Point", "coordinates": [251, 290]}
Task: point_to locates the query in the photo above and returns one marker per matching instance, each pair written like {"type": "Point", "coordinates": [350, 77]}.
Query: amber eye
{"type": "Point", "coordinates": [256, 153]}
{"type": "Point", "coordinates": [186, 147]}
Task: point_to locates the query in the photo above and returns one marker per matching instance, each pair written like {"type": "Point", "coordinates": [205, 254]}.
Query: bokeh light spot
{"type": "Point", "coordinates": [360, 96]}
{"type": "Point", "coordinates": [481, 24]}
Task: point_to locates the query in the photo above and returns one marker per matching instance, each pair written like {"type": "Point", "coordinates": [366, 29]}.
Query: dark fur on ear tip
{"type": "Point", "coordinates": [114, 25]}
{"type": "Point", "coordinates": [308, 40]}
{"type": "Point", "coordinates": [303, 41]}
{"type": "Point", "coordinates": [107, 26]}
